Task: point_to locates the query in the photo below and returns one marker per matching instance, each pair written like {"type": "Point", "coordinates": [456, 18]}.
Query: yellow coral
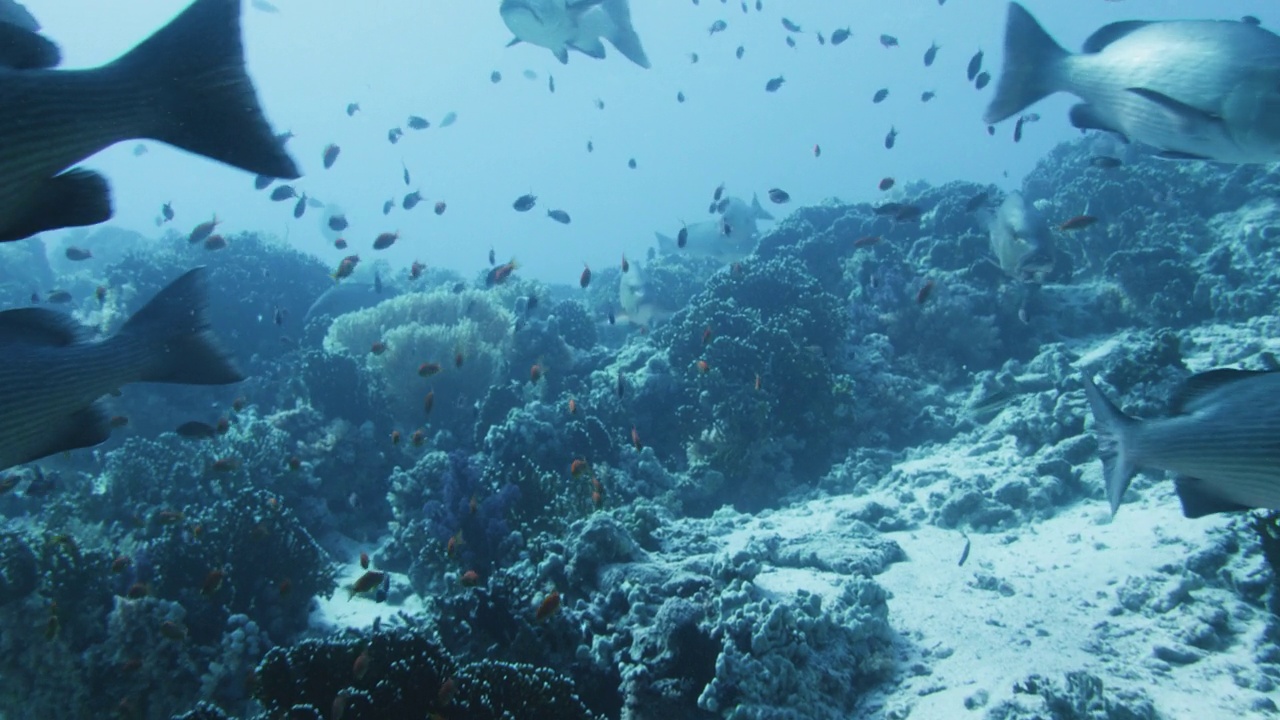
{"type": "Point", "coordinates": [428, 327]}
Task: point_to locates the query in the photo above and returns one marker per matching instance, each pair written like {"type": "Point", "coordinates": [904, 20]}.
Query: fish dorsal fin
{"type": "Point", "coordinates": [22, 49]}
{"type": "Point", "coordinates": [40, 326]}
{"type": "Point", "coordinates": [1108, 34]}
{"type": "Point", "coordinates": [1193, 392]}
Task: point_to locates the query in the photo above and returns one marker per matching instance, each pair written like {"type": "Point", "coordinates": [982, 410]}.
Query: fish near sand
{"type": "Point", "coordinates": [1193, 89]}
{"type": "Point", "coordinates": [1220, 441]}
{"type": "Point", "coordinates": [185, 85]}
{"type": "Point", "coordinates": [54, 373]}
{"type": "Point", "coordinates": [563, 25]}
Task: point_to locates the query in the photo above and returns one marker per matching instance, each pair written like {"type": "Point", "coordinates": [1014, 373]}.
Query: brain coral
{"type": "Point", "coordinates": [437, 327]}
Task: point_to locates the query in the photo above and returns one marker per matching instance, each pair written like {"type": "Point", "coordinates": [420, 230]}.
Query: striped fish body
{"type": "Point", "coordinates": [1192, 89]}
{"type": "Point", "coordinates": [49, 390]}
{"type": "Point", "coordinates": [52, 374]}
{"type": "Point", "coordinates": [1222, 442]}
{"type": "Point", "coordinates": [186, 85]}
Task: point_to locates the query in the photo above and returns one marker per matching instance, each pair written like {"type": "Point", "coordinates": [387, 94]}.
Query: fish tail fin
{"type": "Point", "coordinates": [192, 73]}
{"type": "Point", "coordinates": [758, 210]}
{"type": "Point", "coordinates": [1031, 62]}
{"type": "Point", "coordinates": [623, 35]}
{"type": "Point", "coordinates": [1113, 429]}
{"type": "Point", "coordinates": [666, 243]}
{"type": "Point", "coordinates": [172, 331]}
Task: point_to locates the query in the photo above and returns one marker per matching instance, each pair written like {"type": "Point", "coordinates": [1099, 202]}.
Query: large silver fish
{"type": "Point", "coordinates": [730, 238]}
{"type": "Point", "coordinates": [563, 25]}
{"type": "Point", "coordinates": [1020, 240]}
{"type": "Point", "coordinates": [1222, 441]}
{"type": "Point", "coordinates": [186, 85]}
{"type": "Point", "coordinates": [1194, 89]}
{"type": "Point", "coordinates": [53, 374]}
{"type": "Point", "coordinates": [640, 306]}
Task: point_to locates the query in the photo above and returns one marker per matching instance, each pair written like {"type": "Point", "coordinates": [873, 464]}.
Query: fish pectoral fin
{"type": "Point", "coordinates": [1197, 501]}
{"type": "Point", "coordinates": [1189, 116]}
{"type": "Point", "coordinates": [1086, 117]}
{"type": "Point", "coordinates": [1108, 34]}
{"type": "Point", "coordinates": [73, 199]}
{"type": "Point", "coordinates": [81, 429]}
{"type": "Point", "coordinates": [562, 54]}
{"type": "Point", "coordinates": [1197, 388]}
{"type": "Point", "coordinates": [514, 41]}
{"type": "Point", "coordinates": [22, 49]}
{"type": "Point", "coordinates": [591, 48]}
{"type": "Point", "coordinates": [1179, 155]}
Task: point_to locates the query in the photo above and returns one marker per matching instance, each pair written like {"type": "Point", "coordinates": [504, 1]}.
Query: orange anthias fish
{"type": "Point", "coordinates": [635, 438]}
{"type": "Point", "coordinates": [573, 406]}
{"type": "Point", "coordinates": [429, 402]}
{"type": "Point", "coordinates": [585, 279]}
{"type": "Point", "coordinates": [577, 467]}
{"type": "Point", "coordinates": [428, 369]}
{"type": "Point", "coordinates": [346, 267]}
{"type": "Point", "coordinates": [1078, 222]}
{"type": "Point", "coordinates": [366, 582]}
{"type": "Point", "coordinates": [502, 272]}
{"type": "Point", "coordinates": [548, 607]}
{"type": "Point", "coordinates": [535, 373]}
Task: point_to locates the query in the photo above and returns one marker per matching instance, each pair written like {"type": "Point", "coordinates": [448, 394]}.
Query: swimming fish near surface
{"type": "Point", "coordinates": [53, 373]}
{"type": "Point", "coordinates": [186, 85]}
{"type": "Point", "coordinates": [1219, 441]}
{"type": "Point", "coordinates": [1193, 89]}
{"type": "Point", "coordinates": [564, 25]}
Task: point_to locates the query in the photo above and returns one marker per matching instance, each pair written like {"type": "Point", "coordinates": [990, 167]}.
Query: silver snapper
{"type": "Point", "coordinates": [1193, 89]}
{"type": "Point", "coordinates": [53, 374]}
{"type": "Point", "coordinates": [562, 25]}
{"type": "Point", "coordinates": [1020, 240]}
{"type": "Point", "coordinates": [1222, 440]}
{"type": "Point", "coordinates": [186, 85]}
{"type": "Point", "coordinates": [709, 239]}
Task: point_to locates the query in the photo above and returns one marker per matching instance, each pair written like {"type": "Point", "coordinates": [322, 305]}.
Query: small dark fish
{"type": "Point", "coordinates": [139, 150]}
{"type": "Point", "coordinates": [925, 291]}
{"type": "Point", "coordinates": [791, 42]}
{"type": "Point", "coordinates": [440, 207]}
{"type": "Point", "coordinates": [717, 26]}
{"type": "Point", "coordinates": [983, 79]}
{"type": "Point", "coordinates": [991, 130]}
{"type": "Point", "coordinates": [774, 84]}
{"type": "Point", "coordinates": [551, 84]}
{"type": "Point", "coordinates": [338, 223]}
{"type": "Point", "coordinates": [76, 254]}
{"type": "Point", "coordinates": [886, 183]}
{"type": "Point", "coordinates": [352, 109]}
{"type": "Point", "coordinates": [631, 163]}
{"type": "Point", "coordinates": [202, 231]}
{"type": "Point", "coordinates": [525, 202]}
{"type": "Point", "coordinates": [719, 193]}
{"type": "Point", "coordinates": [493, 258]}
{"type": "Point", "coordinates": [821, 40]}
{"type": "Point", "coordinates": [1078, 222]}
{"type": "Point", "coordinates": [284, 192]}
{"type": "Point", "coordinates": [1105, 162]}
{"type": "Point", "coordinates": [196, 430]}
{"type": "Point", "coordinates": [262, 182]}
{"type": "Point", "coordinates": [529, 74]}
{"type": "Point", "coordinates": [411, 200]}
{"type": "Point", "coordinates": [908, 213]}
{"type": "Point", "coordinates": [385, 240]}
{"type": "Point", "coordinates": [394, 135]}
{"type": "Point", "coordinates": [693, 58]}
{"type": "Point", "coordinates": [779, 196]}
{"type": "Point", "coordinates": [613, 320]}
{"type": "Point", "coordinates": [680, 96]}
{"type": "Point", "coordinates": [889, 41]}
{"type": "Point", "coordinates": [682, 238]}
{"type": "Point", "coordinates": [839, 36]}
{"type": "Point", "coordinates": [931, 54]}
{"type": "Point", "coordinates": [889, 208]}
{"type": "Point", "coordinates": [300, 207]}
{"type": "Point", "coordinates": [975, 66]}
{"type": "Point", "coordinates": [927, 95]}
{"type": "Point", "coordinates": [495, 77]}
{"type": "Point", "coordinates": [964, 554]}
{"type": "Point", "coordinates": [622, 386]}
{"type": "Point", "coordinates": [559, 216]}
{"type": "Point", "coordinates": [880, 95]}
{"type": "Point", "coordinates": [790, 26]}
{"type": "Point", "coordinates": [1251, 20]}
{"type": "Point", "coordinates": [57, 297]}
{"type": "Point", "coordinates": [448, 119]}
{"type": "Point", "coordinates": [891, 139]}
{"type": "Point", "coordinates": [386, 206]}
{"type": "Point", "coordinates": [1017, 131]}
{"type": "Point", "coordinates": [722, 205]}
{"type": "Point", "coordinates": [417, 122]}
{"type": "Point", "coordinates": [591, 146]}
{"type": "Point", "coordinates": [215, 242]}
{"type": "Point", "coordinates": [740, 52]}
{"type": "Point", "coordinates": [406, 173]}
{"type": "Point", "coordinates": [331, 155]}
{"type": "Point", "coordinates": [166, 211]}
{"type": "Point", "coordinates": [583, 280]}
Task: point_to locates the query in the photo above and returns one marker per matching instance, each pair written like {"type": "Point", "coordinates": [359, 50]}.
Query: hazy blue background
{"type": "Point", "coordinates": [429, 57]}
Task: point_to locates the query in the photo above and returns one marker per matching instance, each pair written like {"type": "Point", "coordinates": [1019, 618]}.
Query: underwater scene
{"type": "Point", "coordinates": [639, 359]}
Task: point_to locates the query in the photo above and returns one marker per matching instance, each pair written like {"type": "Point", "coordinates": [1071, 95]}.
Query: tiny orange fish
{"type": "Point", "coordinates": [585, 279]}
{"type": "Point", "coordinates": [1078, 222]}
{"type": "Point", "coordinates": [222, 426]}
{"type": "Point", "coordinates": [364, 561]}
{"type": "Point", "coordinates": [577, 467]}
{"type": "Point", "coordinates": [361, 665]}
{"type": "Point", "coordinates": [212, 582]}
{"type": "Point", "coordinates": [284, 587]}
{"type": "Point", "coordinates": [173, 630]}
{"type": "Point", "coordinates": [378, 347]}
{"type": "Point", "coordinates": [866, 241]}
{"type": "Point", "coordinates": [120, 564]}
{"type": "Point", "coordinates": [385, 240]}
{"type": "Point", "coordinates": [395, 437]}
{"type": "Point", "coordinates": [635, 438]}
{"type": "Point", "coordinates": [137, 591]}
{"type": "Point", "coordinates": [418, 437]}
{"type": "Point", "coordinates": [535, 373]}
{"type": "Point", "coordinates": [470, 578]}
{"type": "Point", "coordinates": [757, 382]}
{"type": "Point", "coordinates": [294, 462]}
{"type": "Point", "coordinates": [502, 272]}
{"type": "Point", "coordinates": [706, 335]}
{"type": "Point", "coordinates": [573, 406]}
{"type": "Point", "coordinates": [428, 369]}
{"type": "Point", "coordinates": [101, 294]}
{"type": "Point", "coordinates": [415, 270]}
{"type": "Point", "coordinates": [119, 421]}
{"type": "Point", "coordinates": [215, 242]}
{"type": "Point", "coordinates": [447, 689]}
{"type": "Point", "coordinates": [458, 359]}
{"type": "Point", "coordinates": [239, 404]}
{"type": "Point", "coordinates": [340, 244]}
{"type": "Point", "coordinates": [366, 582]}
{"type": "Point", "coordinates": [429, 402]}
{"type": "Point", "coordinates": [703, 367]}
{"type": "Point", "coordinates": [548, 607]}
